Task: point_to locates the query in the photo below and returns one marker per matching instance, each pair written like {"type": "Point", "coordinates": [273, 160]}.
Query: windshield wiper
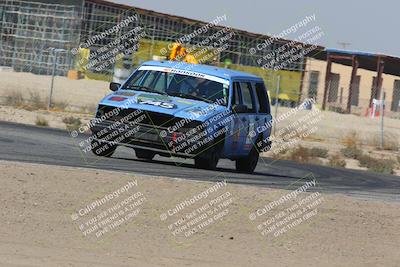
{"type": "Point", "coordinates": [145, 89]}
{"type": "Point", "coordinates": [191, 97]}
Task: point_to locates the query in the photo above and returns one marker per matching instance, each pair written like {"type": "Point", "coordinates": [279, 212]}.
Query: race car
{"type": "Point", "coordinates": [177, 109]}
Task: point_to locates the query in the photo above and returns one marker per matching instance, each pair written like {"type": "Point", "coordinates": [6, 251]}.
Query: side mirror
{"type": "Point", "coordinates": [114, 86]}
{"type": "Point", "coordinates": [239, 108]}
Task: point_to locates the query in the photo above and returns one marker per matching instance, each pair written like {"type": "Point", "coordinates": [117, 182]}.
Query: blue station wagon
{"type": "Point", "coordinates": [176, 109]}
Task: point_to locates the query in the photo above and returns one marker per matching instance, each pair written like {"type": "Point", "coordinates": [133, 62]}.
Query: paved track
{"type": "Point", "coordinates": [26, 143]}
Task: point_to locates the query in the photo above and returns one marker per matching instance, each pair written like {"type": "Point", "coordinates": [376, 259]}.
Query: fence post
{"type": "Point", "coordinates": [278, 82]}
{"type": "Point", "coordinates": [52, 79]}
{"type": "Point", "coordinates": [382, 108]}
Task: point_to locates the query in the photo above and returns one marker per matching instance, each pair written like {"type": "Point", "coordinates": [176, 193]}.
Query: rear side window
{"type": "Point", "coordinates": [262, 97]}
{"type": "Point", "coordinates": [247, 96]}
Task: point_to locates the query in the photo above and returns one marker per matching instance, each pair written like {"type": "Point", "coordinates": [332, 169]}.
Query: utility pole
{"type": "Point", "coordinates": [278, 84]}
{"type": "Point", "coordinates": [55, 53]}
{"type": "Point", "coordinates": [381, 113]}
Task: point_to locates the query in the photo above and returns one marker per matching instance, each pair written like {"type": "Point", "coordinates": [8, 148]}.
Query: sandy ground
{"type": "Point", "coordinates": [54, 118]}
{"type": "Point", "coordinates": [39, 202]}
{"type": "Point", "coordinates": [79, 93]}
{"type": "Point", "coordinates": [335, 125]}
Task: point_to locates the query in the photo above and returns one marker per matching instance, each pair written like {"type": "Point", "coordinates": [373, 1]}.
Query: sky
{"type": "Point", "coordinates": [371, 26]}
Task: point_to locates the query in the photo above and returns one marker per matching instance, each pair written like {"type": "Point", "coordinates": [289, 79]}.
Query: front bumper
{"type": "Point", "coordinates": [143, 136]}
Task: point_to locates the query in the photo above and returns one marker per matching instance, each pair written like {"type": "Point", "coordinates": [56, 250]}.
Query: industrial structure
{"type": "Point", "coordinates": [352, 81]}
{"type": "Point", "coordinates": [28, 27]}
{"type": "Point", "coordinates": [42, 37]}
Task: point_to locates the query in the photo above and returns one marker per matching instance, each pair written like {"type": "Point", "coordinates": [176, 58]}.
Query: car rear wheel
{"type": "Point", "coordinates": [248, 163]}
{"type": "Point", "coordinates": [144, 154]}
{"type": "Point", "coordinates": [102, 149]}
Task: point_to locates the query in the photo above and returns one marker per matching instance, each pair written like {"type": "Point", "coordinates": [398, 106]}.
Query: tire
{"type": "Point", "coordinates": [102, 149]}
{"type": "Point", "coordinates": [144, 154]}
{"type": "Point", "coordinates": [248, 163]}
{"type": "Point", "coordinates": [208, 161]}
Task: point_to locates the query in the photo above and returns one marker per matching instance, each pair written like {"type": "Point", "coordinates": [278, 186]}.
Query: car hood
{"type": "Point", "coordinates": [171, 105]}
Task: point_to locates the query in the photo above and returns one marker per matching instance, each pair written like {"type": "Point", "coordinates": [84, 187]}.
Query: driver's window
{"type": "Point", "coordinates": [161, 82]}
{"type": "Point", "coordinates": [150, 79]}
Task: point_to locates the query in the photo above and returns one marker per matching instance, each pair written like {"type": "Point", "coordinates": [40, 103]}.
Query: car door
{"type": "Point", "coordinates": [247, 119]}
{"type": "Point", "coordinates": [232, 142]}
{"type": "Point", "coordinates": [263, 117]}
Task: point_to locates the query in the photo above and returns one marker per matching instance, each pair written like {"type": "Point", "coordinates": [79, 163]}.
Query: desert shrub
{"type": "Point", "coordinates": [383, 166]}
{"type": "Point", "coordinates": [365, 160]}
{"type": "Point", "coordinates": [318, 152]}
{"type": "Point", "coordinates": [14, 98]}
{"type": "Point", "coordinates": [36, 102]}
{"type": "Point", "coordinates": [377, 165]}
{"type": "Point", "coordinates": [72, 123]}
{"type": "Point", "coordinates": [299, 154]}
{"type": "Point", "coordinates": [40, 121]}
{"type": "Point", "coordinates": [336, 161]}
{"type": "Point", "coordinates": [306, 155]}
{"type": "Point", "coordinates": [91, 109]}
{"type": "Point", "coordinates": [350, 140]}
{"type": "Point", "coordinates": [60, 105]}
{"type": "Point", "coordinates": [351, 152]}
{"type": "Point", "coordinates": [390, 142]}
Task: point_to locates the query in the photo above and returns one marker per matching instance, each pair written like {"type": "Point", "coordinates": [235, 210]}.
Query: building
{"type": "Point", "coordinates": [347, 81]}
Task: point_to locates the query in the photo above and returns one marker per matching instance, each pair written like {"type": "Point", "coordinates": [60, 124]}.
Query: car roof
{"type": "Point", "coordinates": [204, 69]}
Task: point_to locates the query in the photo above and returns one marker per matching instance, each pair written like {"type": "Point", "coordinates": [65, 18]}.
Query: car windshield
{"type": "Point", "coordinates": [175, 84]}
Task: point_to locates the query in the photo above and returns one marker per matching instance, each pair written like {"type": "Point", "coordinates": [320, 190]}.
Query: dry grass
{"type": "Point", "coordinates": [36, 102]}
{"type": "Point", "coordinates": [89, 109]}
{"type": "Point", "coordinates": [336, 161]}
{"type": "Point", "coordinates": [318, 152]}
{"type": "Point", "coordinates": [390, 142]}
{"type": "Point", "coordinates": [59, 106]}
{"type": "Point", "coordinates": [14, 99]}
{"type": "Point", "coordinates": [40, 121]}
{"type": "Point", "coordinates": [306, 155]}
{"type": "Point", "coordinates": [72, 123]}
{"type": "Point", "coordinates": [314, 138]}
{"type": "Point", "coordinates": [385, 166]}
{"type": "Point", "coordinates": [351, 140]}
{"type": "Point", "coordinates": [299, 154]}
{"type": "Point", "coordinates": [351, 152]}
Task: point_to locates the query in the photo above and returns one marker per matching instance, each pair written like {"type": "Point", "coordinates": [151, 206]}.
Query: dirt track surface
{"type": "Point", "coordinates": [37, 228]}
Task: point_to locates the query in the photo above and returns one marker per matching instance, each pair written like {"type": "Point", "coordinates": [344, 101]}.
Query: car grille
{"type": "Point", "coordinates": [149, 118]}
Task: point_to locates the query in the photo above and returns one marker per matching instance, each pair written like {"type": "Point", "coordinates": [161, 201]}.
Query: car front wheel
{"type": "Point", "coordinates": [208, 162]}
{"type": "Point", "coordinates": [144, 154]}
{"type": "Point", "coordinates": [102, 149]}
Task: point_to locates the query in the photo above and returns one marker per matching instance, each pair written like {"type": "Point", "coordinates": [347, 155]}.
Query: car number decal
{"type": "Point", "coordinates": [157, 103]}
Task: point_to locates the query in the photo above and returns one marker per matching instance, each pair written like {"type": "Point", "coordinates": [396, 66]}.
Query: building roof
{"type": "Point", "coordinates": [366, 60]}
{"type": "Point", "coordinates": [195, 21]}
{"type": "Point", "coordinates": [204, 69]}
